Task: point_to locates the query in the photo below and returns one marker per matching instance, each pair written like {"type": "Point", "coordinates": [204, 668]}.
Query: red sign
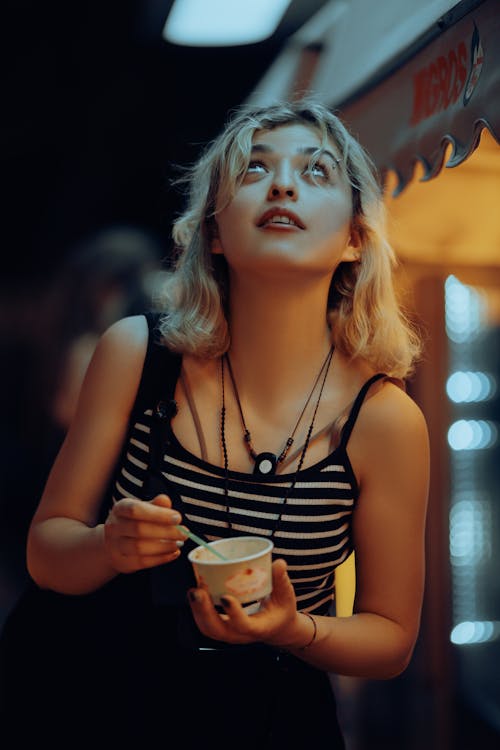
{"type": "Point", "coordinates": [439, 85]}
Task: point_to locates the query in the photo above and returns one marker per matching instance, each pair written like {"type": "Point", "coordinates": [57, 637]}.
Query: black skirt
{"type": "Point", "coordinates": [112, 670]}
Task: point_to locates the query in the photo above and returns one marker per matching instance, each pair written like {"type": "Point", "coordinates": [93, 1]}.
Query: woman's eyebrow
{"type": "Point", "coordinates": [264, 148]}
{"type": "Point", "coordinates": [310, 150]}
{"type": "Point", "coordinates": [261, 148]}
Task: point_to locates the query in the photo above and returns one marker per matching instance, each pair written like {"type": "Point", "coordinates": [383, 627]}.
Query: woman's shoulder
{"type": "Point", "coordinates": [390, 437]}
{"type": "Point", "coordinates": [390, 410]}
{"type": "Point", "coordinates": [119, 357]}
{"type": "Point", "coordinates": [392, 403]}
{"type": "Point", "coordinates": [390, 422]}
{"type": "Point", "coordinates": [125, 341]}
{"type": "Point", "coordinates": [130, 333]}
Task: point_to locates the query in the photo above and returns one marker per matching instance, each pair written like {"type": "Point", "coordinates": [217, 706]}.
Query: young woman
{"type": "Point", "coordinates": [277, 410]}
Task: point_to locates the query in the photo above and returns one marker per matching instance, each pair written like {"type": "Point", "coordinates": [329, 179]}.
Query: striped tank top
{"type": "Point", "coordinates": [312, 531]}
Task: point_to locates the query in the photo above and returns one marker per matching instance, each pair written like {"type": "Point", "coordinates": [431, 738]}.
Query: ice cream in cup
{"type": "Point", "coordinates": [245, 574]}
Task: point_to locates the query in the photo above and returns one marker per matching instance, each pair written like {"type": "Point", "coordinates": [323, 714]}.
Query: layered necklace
{"type": "Point", "coordinates": [266, 462]}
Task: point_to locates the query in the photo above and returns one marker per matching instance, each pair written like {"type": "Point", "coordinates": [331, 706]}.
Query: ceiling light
{"type": "Point", "coordinates": [219, 23]}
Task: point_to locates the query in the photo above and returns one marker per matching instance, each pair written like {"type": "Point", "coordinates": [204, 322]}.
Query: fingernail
{"type": "Point", "coordinates": [176, 518]}
{"type": "Point", "coordinates": [225, 602]}
{"type": "Point", "coordinates": [179, 544]}
{"type": "Point", "coordinates": [194, 596]}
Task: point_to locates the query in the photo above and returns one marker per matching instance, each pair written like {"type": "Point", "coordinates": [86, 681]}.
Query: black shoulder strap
{"type": "Point", "coordinates": [159, 373]}
{"type": "Point", "coordinates": [156, 386]}
{"type": "Point", "coordinates": [353, 414]}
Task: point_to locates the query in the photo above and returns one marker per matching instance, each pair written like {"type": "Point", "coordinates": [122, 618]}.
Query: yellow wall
{"type": "Point", "coordinates": [454, 217]}
{"type": "Point", "coordinates": [345, 582]}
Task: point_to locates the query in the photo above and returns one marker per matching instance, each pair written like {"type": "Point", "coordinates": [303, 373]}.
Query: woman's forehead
{"type": "Point", "coordinates": [294, 136]}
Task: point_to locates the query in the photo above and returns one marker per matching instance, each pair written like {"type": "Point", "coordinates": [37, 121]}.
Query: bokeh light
{"type": "Point", "coordinates": [468, 387]}
{"type": "Point", "coordinates": [472, 434]}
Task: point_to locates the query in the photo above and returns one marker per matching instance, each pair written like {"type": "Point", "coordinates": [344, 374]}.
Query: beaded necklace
{"type": "Point", "coordinates": [266, 462]}
{"type": "Point", "coordinates": [324, 369]}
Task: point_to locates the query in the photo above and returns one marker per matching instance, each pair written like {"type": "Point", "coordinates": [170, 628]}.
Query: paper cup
{"type": "Point", "coordinates": [246, 575]}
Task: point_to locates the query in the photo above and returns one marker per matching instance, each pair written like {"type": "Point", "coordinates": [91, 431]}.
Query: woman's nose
{"type": "Point", "coordinates": [283, 185]}
{"type": "Point", "coordinates": [279, 191]}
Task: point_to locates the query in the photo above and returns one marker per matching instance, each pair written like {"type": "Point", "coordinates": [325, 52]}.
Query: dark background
{"type": "Point", "coordinates": [97, 110]}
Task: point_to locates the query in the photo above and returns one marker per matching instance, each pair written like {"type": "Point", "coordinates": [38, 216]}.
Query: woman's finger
{"type": "Point", "coordinates": [132, 547]}
{"type": "Point", "coordinates": [147, 530]}
{"type": "Point", "coordinates": [131, 564]}
{"type": "Point", "coordinates": [139, 510]}
{"type": "Point", "coordinates": [162, 501]}
{"type": "Point", "coordinates": [245, 624]}
{"type": "Point", "coordinates": [210, 622]}
{"type": "Point", "coordinates": [205, 615]}
{"type": "Point", "coordinates": [283, 593]}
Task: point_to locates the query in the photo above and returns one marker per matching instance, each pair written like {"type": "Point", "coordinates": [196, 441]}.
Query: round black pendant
{"type": "Point", "coordinates": [265, 463]}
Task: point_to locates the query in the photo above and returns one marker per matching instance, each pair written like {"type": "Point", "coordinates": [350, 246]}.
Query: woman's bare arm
{"type": "Point", "coordinates": [390, 447]}
{"type": "Point", "coordinates": [67, 550]}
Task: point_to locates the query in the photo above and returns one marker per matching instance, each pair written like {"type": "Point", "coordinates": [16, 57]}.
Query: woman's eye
{"type": "Point", "coordinates": [256, 167]}
{"type": "Point", "coordinates": [318, 169]}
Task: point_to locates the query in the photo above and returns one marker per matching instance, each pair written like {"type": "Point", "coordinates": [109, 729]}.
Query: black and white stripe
{"type": "Point", "coordinates": [314, 533]}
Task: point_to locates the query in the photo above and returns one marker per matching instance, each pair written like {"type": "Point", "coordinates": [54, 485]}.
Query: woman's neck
{"type": "Point", "coordinates": [279, 337]}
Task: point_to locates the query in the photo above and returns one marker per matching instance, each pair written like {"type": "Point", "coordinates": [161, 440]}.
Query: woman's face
{"type": "Point", "coordinates": [288, 214]}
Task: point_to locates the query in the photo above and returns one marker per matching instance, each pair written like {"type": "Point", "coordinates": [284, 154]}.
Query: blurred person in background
{"type": "Point", "coordinates": [108, 274]}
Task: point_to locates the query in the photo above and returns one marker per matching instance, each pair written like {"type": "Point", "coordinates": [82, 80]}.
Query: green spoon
{"type": "Point", "coordinates": [201, 542]}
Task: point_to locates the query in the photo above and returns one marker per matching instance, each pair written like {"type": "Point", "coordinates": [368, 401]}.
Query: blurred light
{"type": "Point", "coordinates": [470, 386]}
{"type": "Point", "coordinates": [472, 434]}
{"type": "Point", "coordinates": [470, 531]}
{"type": "Point", "coordinates": [464, 310]}
{"type": "Point", "coordinates": [462, 533]}
{"type": "Point", "coordinates": [468, 632]}
{"type": "Point", "coordinates": [215, 23]}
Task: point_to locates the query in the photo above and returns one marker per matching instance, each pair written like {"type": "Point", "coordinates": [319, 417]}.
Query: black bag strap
{"type": "Point", "coordinates": [156, 392]}
{"type": "Point", "coordinates": [156, 388]}
{"type": "Point", "coordinates": [159, 373]}
{"type": "Point", "coordinates": [169, 583]}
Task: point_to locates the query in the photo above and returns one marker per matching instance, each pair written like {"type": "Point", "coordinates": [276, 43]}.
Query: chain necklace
{"type": "Point", "coordinates": [266, 462]}
{"type": "Point", "coordinates": [325, 368]}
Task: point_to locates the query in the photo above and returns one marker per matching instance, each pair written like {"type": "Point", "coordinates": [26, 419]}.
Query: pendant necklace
{"type": "Point", "coordinates": [266, 462]}
{"type": "Point", "coordinates": [261, 468]}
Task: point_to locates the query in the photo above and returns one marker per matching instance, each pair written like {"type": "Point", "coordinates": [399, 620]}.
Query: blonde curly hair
{"type": "Point", "coordinates": [365, 317]}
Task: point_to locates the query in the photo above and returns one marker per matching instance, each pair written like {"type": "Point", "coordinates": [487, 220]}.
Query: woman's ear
{"type": "Point", "coordinates": [352, 252]}
{"type": "Point", "coordinates": [216, 247]}
{"type": "Point", "coordinates": [215, 244]}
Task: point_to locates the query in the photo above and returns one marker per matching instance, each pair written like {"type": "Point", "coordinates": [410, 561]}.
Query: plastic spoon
{"type": "Point", "coordinates": [201, 542]}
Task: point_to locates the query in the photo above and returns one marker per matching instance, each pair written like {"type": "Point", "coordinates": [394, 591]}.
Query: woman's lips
{"type": "Point", "coordinates": [280, 218]}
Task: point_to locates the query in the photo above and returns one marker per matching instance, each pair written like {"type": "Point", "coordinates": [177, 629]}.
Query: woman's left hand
{"type": "Point", "coordinates": [276, 623]}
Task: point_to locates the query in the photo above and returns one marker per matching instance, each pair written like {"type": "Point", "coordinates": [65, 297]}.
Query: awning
{"type": "Point", "coordinates": [437, 83]}
{"type": "Point", "coordinates": [451, 222]}
{"type": "Point", "coordinates": [447, 93]}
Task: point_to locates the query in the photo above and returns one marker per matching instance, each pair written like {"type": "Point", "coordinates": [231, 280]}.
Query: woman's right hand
{"type": "Point", "coordinates": [139, 534]}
